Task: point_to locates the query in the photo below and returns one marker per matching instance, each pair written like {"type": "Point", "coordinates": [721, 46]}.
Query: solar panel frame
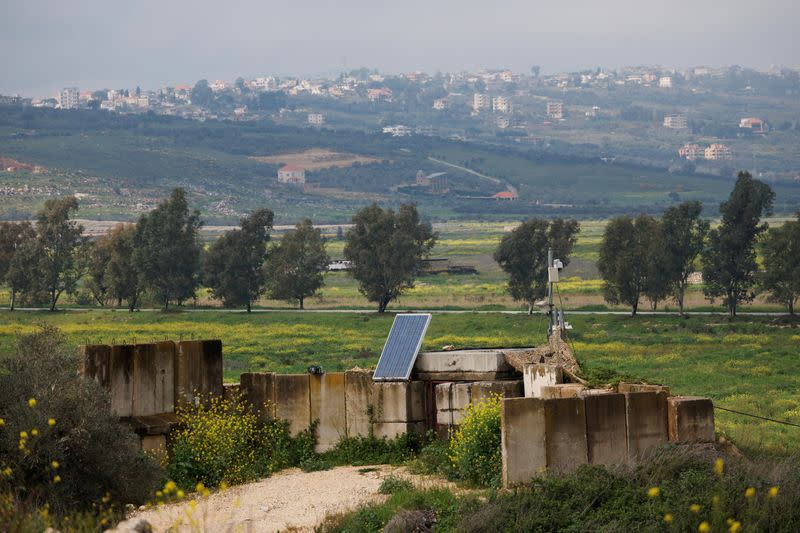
{"type": "Point", "coordinates": [393, 367]}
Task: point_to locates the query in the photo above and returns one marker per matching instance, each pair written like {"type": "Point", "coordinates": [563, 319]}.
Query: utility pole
{"type": "Point", "coordinates": [555, 316]}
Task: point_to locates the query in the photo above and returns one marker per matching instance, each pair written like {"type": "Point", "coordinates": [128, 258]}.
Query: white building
{"type": "Point", "coordinates": [480, 101]}
{"type": "Point", "coordinates": [441, 103]}
{"type": "Point", "coordinates": [718, 152]}
{"type": "Point", "coordinates": [675, 121]}
{"type": "Point", "coordinates": [291, 174]}
{"type": "Point", "coordinates": [69, 97]}
{"type": "Point", "coordinates": [665, 82]}
{"type": "Point", "coordinates": [501, 104]}
{"type": "Point", "coordinates": [555, 110]}
{"type": "Point", "coordinates": [316, 119]}
{"type": "Point", "coordinates": [397, 131]}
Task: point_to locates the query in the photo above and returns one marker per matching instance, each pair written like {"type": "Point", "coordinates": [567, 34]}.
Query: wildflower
{"type": "Point", "coordinates": [180, 494]}
{"type": "Point", "coordinates": [34, 432]}
{"type": "Point", "coordinates": [750, 493]}
{"type": "Point", "coordinates": [32, 403]}
{"type": "Point", "coordinates": [57, 479]}
{"type": "Point", "coordinates": [715, 500]}
{"type": "Point", "coordinates": [193, 504]}
{"type": "Point", "coordinates": [106, 498]}
{"type": "Point", "coordinates": [719, 466]}
{"type": "Point", "coordinates": [695, 508]}
{"type": "Point", "coordinates": [773, 492]}
{"type": "Point", "coordinates": [668, 518]}
{"type": "Point", "coordinates": [2, 422]}
{"type": "Point", "coordinates": [169, 487]}
{"type": "Point", "coordinates": [704, 527]}
{"type": "Point", "coordinates": [55, 465]}
{"type": "Point", "coordinates": [653, 492]}
{"type": "Point", "coordinates": [7, 472]}
{"type": "Point", "coordinates": [735, 526]}
{"type": "Point", "coordinates": [23, 435]}
{"type": "Point", "coordinates": [199, 487]}
{"type": "Point", "coordinates": [159, 494]}
{"type": "Point", "coordinates": [51, 422]}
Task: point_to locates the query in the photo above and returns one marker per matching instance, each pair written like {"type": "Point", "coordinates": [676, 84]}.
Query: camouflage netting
{"type": "Point", "coordinates": [555, 352]}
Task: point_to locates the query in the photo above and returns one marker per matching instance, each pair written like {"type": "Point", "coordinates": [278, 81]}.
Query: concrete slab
{"type": "Point", "coordinates": [465, 376]}
{"type": "Point", "coordinates": [258, 390]}
{"type": "Point", "coordinates": [121, 379]}
{"type": "Point", "coordinates": [155, 445]}
{"type": "Point", "coordinates": [565, 437]}
{"type": "Point", "coordinates": [460, 399]}
{"type": "Point", "coordinates": [594, 392]}
{"type": "Point", "coordinates": [95, 363]}
{"type": "Point", "coordinates": [690, 419]}
{"type": "Point", "coordinates": [444, 410]}
{"type": "Point", "coordinates": [537, 375]}
{"type": "Point", "coordinates": [358, 402]}
{"type": "Point", "coordinates": [606, 431]}
{"type": "Point", "coordinates": [198, 370]}
{"type": "Point", "coordinates": [562, 390]}
{"type": "Point", "coordinates": [482, 390]}
{"type": "Point", "coordinates": [293, 401]}
{"type": "Point", "coordinates": [399, 401]}
{"type": "Point", "coordinates": [462, 361]}
{"type": "Point", "coordinates": [327, 400]}
{"type": "Point", "coordinates": [641, 387]}
{"type": "Point", "coordinates": [523, 440]}
{"type": "Point", "coordinates": [646, 420]}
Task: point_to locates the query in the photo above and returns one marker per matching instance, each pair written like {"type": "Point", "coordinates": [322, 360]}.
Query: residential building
{"type": "Point", "coordinates": [69, 97]}
{"type": "Point", "coordinates": [675, 121]}
{"type": "Point", "coordinates": [756, 125]}
{"type": "Point", "coordinates": [441, 103]}
{"type": "Point", "coordinates": [480, 102]}
{"type": "Point", "coordinates": [718, 152]}
{"type": "Point", "coordinates": [501, 104]}
{"type": "Point", "coordinates": [397, 131]}
{"type": "Point", "coordinates": [316, 119]}
{"type": "Point", "coordinates": [291, 174]}
{"type": "Point", "coordinates": [382, 94]}
{"type": "Point", "coordinates": [422, 180]}
{"type": "Point", "coordinates": [691, 152]}
{"type": "Point", "coordinates": [665, 82]}
{"type": "Point", "coordinates": [509, 196]}
{"type": "Point", "coordinates": [502, 122]}
{"type": "Point", "coordinates": [555, 110]}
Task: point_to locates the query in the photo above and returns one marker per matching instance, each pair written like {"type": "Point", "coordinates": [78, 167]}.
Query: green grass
{"type": "Point", "coordinates": [749, 364]}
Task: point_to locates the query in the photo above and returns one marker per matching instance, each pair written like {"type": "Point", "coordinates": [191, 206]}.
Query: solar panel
{"type": "Point", "coordinates": [402, 346]}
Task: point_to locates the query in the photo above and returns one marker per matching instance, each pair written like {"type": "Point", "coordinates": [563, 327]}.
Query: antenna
{"type": "Point", "coordinates": [556, 318]}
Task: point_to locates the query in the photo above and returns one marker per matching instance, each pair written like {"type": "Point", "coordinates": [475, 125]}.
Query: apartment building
{"type": "Point", "coordinates": [675, 121]}
{"type": "Point", "coordinates": [441, 104]}
{"type": "Point", "coordinates": [691, 152]}
{"type": "Point", "coordinates": [501, 104]}
{"type": "Point", "coordinates": [718, 152]}
{"type": "Point", "coordinates": [555, 110]}
{"type": "Point", "coordinates": [316, 119]}
{"type": "Point", "coordinates": [69, 97]}
{"type": "Point", "coordinates": [480, 102]}
{"type": "Point", "coordinates": [665, 82]}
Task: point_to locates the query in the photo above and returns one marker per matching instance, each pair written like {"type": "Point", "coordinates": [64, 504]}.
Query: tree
{"type": "Point", "coordinates": [781, 252]}
{"type": "Point", "coordinates": [202, 95]}
{"type": "Point", "coordinates": [624, 259]}
{"type": "Point", "coordinates": [59, 238]}
{"type": "Point", "coordinates": [121, 275]}
{"type": "Point", "coordinates": [684, 234]}
{"type": "Point", "coordinates": [166, 249]}
{"type": "Point", "coordinates": [96, 258]}
{"type": "Point", "coordinates": [657, 285]}
{"type": "Point", "coordinates": [295, 266]}
{"type": "Point", "coordinates": [233, 266]}
{"type": "Point", "coordinates": [729, 260]}
{"type": "Point", "coordinates": [385, 248]}
{"type": "Point", "coordinates": [17, 254]}
{"type": "Point", "coordinates": [522, 254]}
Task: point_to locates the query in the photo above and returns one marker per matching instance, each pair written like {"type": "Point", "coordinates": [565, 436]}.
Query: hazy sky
{"type": "Point", "coordinates": [48, 44]}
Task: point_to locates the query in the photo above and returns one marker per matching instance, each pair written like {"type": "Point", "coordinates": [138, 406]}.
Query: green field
{"type": "Point", "coordinates": [749, 364]}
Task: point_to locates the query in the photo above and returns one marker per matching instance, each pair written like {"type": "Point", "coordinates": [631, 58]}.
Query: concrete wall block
{"type": "Point", "coordinates": [646, 422]}
{"type": "Point", "coordinates": [95, 363]}
{"type": "Point", "coordinates": [562, 390]}
{"type": "Point", "coordinates": [565, 433]}
{"type": "Point", "coordinates": [537, 375]}
{"type": "Point", "coordinates": [444, 410]}
{"type": "Point", "coordinates": [391, 430]}
{"type": "Point", "coordinates": [606, 432]}
{"type": "Point", "coordinates": [198, 370]}
{"type": "Point", "coordinates": [358, 400]}
{"type": "Point", "coordinates": [462, 361]}
{"type": "Point", "coordinates": [523, 440]}
{"type": "Point", "coordinates": [144, 380]}
{"type": "Point", "coordinates": [641, 387]}
{"type": "Point", "coordinates": [258, 390]}
{"type": "Point", "coordinates": [165, 377]}
{"type": "Point", "coordinates": [399, 401]}
{"type": "Point", "coordinates": [327, 401]}
{"type": "Point", "coordinates": [690, 419]}
{"type": "Point", "coordinates": [293, 401]}
{"type": "Point", "coordinates": [483, 390]}
{"type": "Point", "coordinates": [121, 379]}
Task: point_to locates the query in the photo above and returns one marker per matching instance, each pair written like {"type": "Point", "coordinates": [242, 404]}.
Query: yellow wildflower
{"type": "Point", "coordinates": [170, 486]}
{"type": "Point", "coordinates": [7, 472]}
{"type": "Point", "coordinates": [704, 527]}
{"type": "Point", "coordinates": [2, 422]}
{"type": "Point", "coordinates": [715, 500]}
{"type": "Point", "coordinates": [180, 494]}
{"type": "Point", "coordinates": [159, 494]}
{"type": "Point", "coordinates": [23, 434]}
{"type": "Point", "coordinates": [668, 518]}
{"type": "Point", "coordinates": [199, 487]}
{"type": "Point", "coordinates": [750, 493]}
{"type": "Point", "coordinates": [773, 492]}
{"type": "Point", "coordinates": [34, 432]}
{"type": "Point", "coordinates": [51, 422]}
{"type": "Point", "coordinates": [55, 465]}
{"type": "Point", "coordinates": [653, 492]}
{"type": "Point", "coordinates": [695, 508]}
{"type": "Point", "coordinates": [57, 479]}
{"type": "Point", "coordinates": [719, 466]}
{"type": "Point", "coordinates": [32, 403]}
{"type": "Point", "coordinates": [735, 526]}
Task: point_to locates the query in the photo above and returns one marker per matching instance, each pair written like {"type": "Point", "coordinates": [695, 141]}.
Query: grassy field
{"type": "Point", "coordinates": [749, 364]}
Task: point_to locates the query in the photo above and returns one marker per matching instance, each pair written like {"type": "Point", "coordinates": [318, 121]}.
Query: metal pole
{"type": "Point", "coordinates": [549, 292]}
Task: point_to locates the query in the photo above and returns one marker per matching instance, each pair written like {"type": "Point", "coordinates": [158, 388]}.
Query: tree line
{"type": "Point", "coordinates": [161, 255]}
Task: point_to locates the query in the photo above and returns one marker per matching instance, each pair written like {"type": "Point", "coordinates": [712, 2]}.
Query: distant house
{"type": "Point", "coordinates": [675, 121]}
{"type": "Point", "coordinates": [717, 152]}
{"type": "Point", "coordinates": [756, 125]}
{"type": "Point", "coordinates": [665, 82]}
{"type": "Point", "coordinates": [691, 152]}
{"type": "Point", "coordinates": [316, 119]}
{"type": "Point", "coordinates": [441, 103]}
{"type": "Point", "coordinates": [381, 94]}
{"type": "Point", "coordinates": [505, 195]}
{"type": "Point", "coordinates": [291, 174]}
{"type": "Point", "coordinates": [555, 110]}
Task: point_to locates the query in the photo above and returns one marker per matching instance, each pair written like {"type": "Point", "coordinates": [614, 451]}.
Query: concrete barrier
{"type": "Point", "coordinates": [153, 378]}
{"type": "Point", "coordinates": [121, 379]}
{"type": "Point", "coordinates": [562, 390]}
{"type": "Point", "coordinates": [444, 409]}
{"type": "Point", "coordinates": [646, 420]}
{"type": "Point", "coordinates": [399, 401]}
{"type": "Point", "coordinates": [327, 400]}
{"type": "Point", "coordinates": [690, 419]}
{"type": "Point", "coordinates": [537, 375]}
{"type": "Point", "coordinates": [641, 387]}
{"type": "Point", "coordinates": [258, 390]}
{"type": "Point", "coordinates": [462, 365]}
{"type": "Point", "coordinates": [565, 437]}
{"type": "Point", "coordinates": [96, 363]}
{"type": "Point", "coordinates": [483, 390]}
{"type": "Point", "coordinates": [293, 401]}
{"type": "Point", "coordinates": [198, 370]}
{"type": "Point", "coordinates": [358, 402]}
{"type": "Point", "coordinates": [391, 430]}
{"type": "Point", "coordinates": [522, 440]}
{"type": "Point", "coordinates": [606, 431]}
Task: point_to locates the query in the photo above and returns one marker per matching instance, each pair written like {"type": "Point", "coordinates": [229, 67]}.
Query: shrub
{"type": "Point", "coordinates": [392, 484]}
{"type": "Point", "coordinates": [370, 450]}
{"type": "Point", "coordinates": [223, 441]}
{"type": "Point", "coordinates": [60, 443]}
{"type": "Point", "coordinates": [474, 451]}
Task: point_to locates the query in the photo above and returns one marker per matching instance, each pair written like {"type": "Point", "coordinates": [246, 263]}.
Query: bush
{"type": "Point", "coordinates": [60, 443]}
{"type": "Point", "coordinates": [392, 484]}
{"type": "Point", "coordinates": [474, 450]}
{"type": "Point", "coordinates": [359, 451]}
{"type": "Point", "coordinates": [223, 441]}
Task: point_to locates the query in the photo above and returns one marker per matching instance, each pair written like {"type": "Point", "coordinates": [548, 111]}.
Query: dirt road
{"type": "Point", "coordinates": [289, 500]}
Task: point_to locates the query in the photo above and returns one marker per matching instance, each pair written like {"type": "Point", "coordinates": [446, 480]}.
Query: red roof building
{"type": "Point", "coordinates": [291, 174]}
{"type": "Point", "coordinates": [505, 195]}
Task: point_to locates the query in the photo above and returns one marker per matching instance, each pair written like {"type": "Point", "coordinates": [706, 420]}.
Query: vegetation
{"type": "Point", "coordinates": [684, 234]}
{"type": "Point", "coordinates": [781, 250]}
{"type": "Point", "coordinates": [295, 266]}
{"type": "Point", "coordinates": [729, 265]}
{"type": "Point", "coordinates": [17, 253]}
{"type": "Point", "coordinates": [234, 262]}
{"type": "Point", "coordinates": [475, 446]}
{"type": "Point", "coordinates": [522, 254]}
{"type": "Point", "coordinates": [58, 238]}
{"type": "Point", "coordinates": [385, 248]}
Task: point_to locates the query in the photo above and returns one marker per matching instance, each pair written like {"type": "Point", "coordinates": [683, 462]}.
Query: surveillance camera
{"type": "Point", "coordinates": [558, 264]}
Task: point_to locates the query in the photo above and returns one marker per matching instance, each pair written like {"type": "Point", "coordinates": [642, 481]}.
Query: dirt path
{"type": "Point", "coordinates": [289, 500]}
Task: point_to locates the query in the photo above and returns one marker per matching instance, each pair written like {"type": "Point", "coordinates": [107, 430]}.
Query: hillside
{"type": "Point", "coordinates": [121, 165]}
